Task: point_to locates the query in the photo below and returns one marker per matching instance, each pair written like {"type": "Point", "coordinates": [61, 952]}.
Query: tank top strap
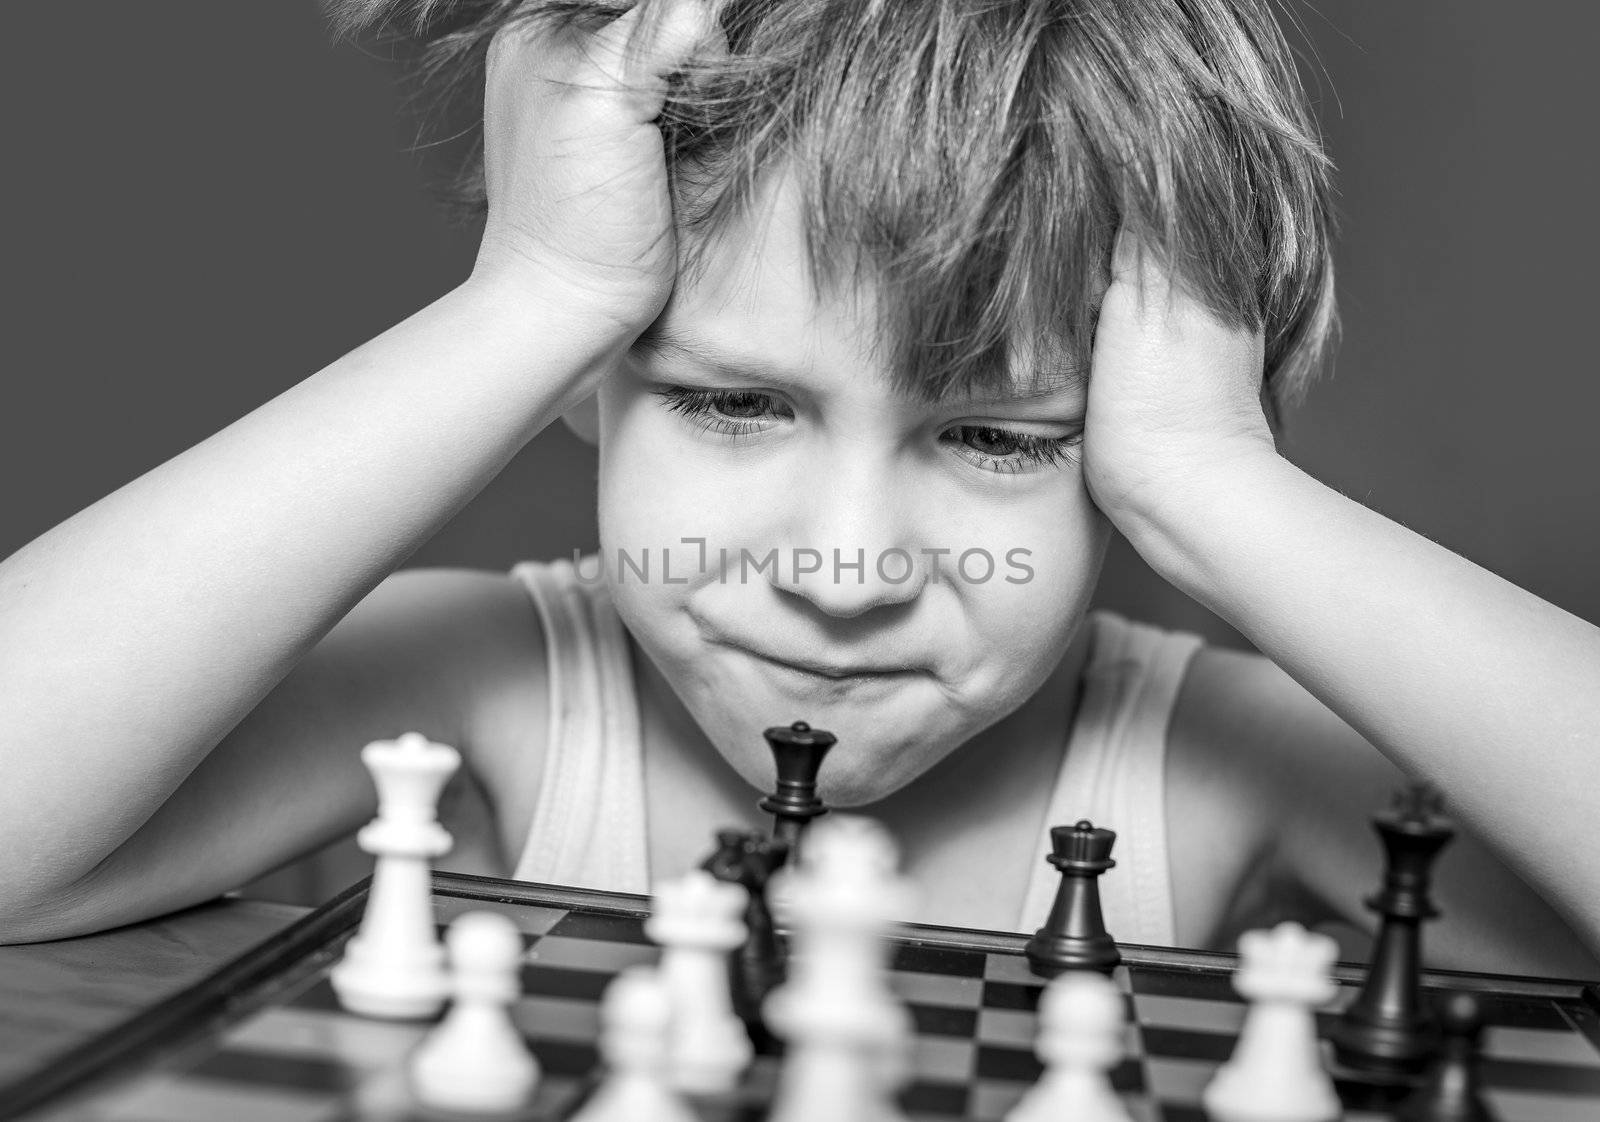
{"type": "Point", "coordinates": [1114, 775]}
{"type": "Point", "coordinates": [588, 826]}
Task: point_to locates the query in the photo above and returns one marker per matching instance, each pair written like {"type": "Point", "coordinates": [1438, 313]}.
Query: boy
{"type": "Point", "coordinates": [929, 394]}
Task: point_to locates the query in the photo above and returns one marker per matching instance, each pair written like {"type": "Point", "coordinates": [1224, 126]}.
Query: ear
{"type": "Point", "coordinates": [584, 420]}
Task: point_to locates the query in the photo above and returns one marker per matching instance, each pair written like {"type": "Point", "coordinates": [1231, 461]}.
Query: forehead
{"type": "Point", "coordinates": [752, 301]}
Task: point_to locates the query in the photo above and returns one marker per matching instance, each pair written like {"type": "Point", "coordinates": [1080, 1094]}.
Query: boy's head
{"type": "Point", "coordinates": [897, 220]}
{"type": "Point", "coordinates": [975, 159]}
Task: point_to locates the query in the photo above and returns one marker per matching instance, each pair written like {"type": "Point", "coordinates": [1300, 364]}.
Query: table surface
{"type": "Point", "coordinates": [57, 995]}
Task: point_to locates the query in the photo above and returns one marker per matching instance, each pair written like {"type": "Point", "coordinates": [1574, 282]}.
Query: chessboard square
{"type": "Point", "coordinates": [990, 1100]}
{"type": "Point", "coordinates": [1201, 985]}
{"type": "Point", "coordinates": [1007, 1026]}
{"type": "Point", "coordinates": [580, 954]}
{"type": "Point", "coordinates": [937, 989]}
{"type": "Point", "coordinates": [1010, 968]}
{"type": "Point", "coordinates": [939, 1099]}
{"type": "Point", "coordinates": [1177, 1082]}
{"type": "Point", "coordinates": [1019, 1065]}
{"type": "Point", "coordinates": [1186, 1044]}
{"type": "Point", "coordinates": [916, 958]}
{"type": "Point", "coordinates": [1511, 1011]}
{"type": "Point", "coordinates": [1189, 1013]}
{"type": "Point", "coordinates": [566, 1057]}
{"type": "Point", "coordinates": [936, 1059]}
{"type": "Point", "coordinates": [276, 1069]}
{"type": "Point", "coordinates": [1530, 1106]}
{"type": "Point", "coordinates": [530, 919]}
{"type": "Point", "coordinates": [1526, 1075]}
{"type": "Point", "coordinates": [541, 1018]}
{"type": "Point", "coordinates": [602, 927]}
{"type": "Point", "coordinates": [580, 985]}
{"type": "Point", "coordinates": [1009, 995]}
{"type": "Point", "coordinates": [942, 1020]}
{"type": "Point", "coordinates": [183, 1100]}
{"type": "Point", "coordinates": [1565, 1047]}
{"type": "Point", "coordinates": [359, 1041]}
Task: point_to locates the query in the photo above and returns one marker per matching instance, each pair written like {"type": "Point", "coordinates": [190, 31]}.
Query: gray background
{"type": "Point", "coordinates": [206, 201]}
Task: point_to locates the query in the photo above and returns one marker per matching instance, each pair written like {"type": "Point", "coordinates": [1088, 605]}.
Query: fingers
{"type": "Point", "coordinates": [664, 35]}
{"type": "Point", "coordinates": [1148, 315]}
{"type": "Point", "coordinates": [632, 55]}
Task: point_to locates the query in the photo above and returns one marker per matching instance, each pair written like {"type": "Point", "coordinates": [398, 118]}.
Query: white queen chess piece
{"type": "Point", "coordinates": [1275, 1073]}
{"type": "Point", "coordinates": [394, 965]}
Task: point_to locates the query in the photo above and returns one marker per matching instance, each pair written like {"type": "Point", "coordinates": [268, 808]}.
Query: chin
{"type": "Point", "coordinates": [854, 775]}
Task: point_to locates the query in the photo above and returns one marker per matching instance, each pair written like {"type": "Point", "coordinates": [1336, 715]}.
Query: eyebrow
{"type": "Point", "coordinates": [1055, 380]}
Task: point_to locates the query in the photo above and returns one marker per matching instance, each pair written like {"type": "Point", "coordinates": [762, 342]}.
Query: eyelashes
{"type": "Point", "coordinates": [738, 413]}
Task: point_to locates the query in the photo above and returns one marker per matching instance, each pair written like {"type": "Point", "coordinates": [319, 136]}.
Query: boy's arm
{"type": "Point", "coordinates": [1457, 676]}
{"type": "Point", "coordinates": [1243, 725]}
{"type": "Point", "coordinates": [139, 634]}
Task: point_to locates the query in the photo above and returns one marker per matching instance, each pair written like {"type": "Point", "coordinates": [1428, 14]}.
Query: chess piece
{"type": "Point", "coordinates": [1074, 936]}
{"type": "Point", "coordinates": [476, 1060]}
{"type": "Point", "coordinates": [1387, 1031]}
{"type": "Point", "coordinates": [1081, 1026]}
{"type": "Point", "coordinates": [1451, 1091]}
{"type": "Point", "coordinates": [394, 965]}
{"type": "Point", "coordinates": [1275, 1073]}
{"type": "Point", "coordinates": [847, 1037]}
{"type": "Point", "coordinates": [634, 1017]}
{"type": "Point", "coordinates": [756, 968]}
{"type": "Point", "coordinates": [797, 751]}
{"type": "Point", "coordinates": [696, 920]}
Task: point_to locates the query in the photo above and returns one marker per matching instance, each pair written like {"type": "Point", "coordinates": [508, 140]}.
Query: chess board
{"type": "Point", "coordinates": [265, 1039]}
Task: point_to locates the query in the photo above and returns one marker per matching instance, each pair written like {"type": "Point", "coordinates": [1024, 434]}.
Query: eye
{"type": "Point", "coordinates": [1009, 452]}
{"type": "Point", "coordinates": [730, 412]}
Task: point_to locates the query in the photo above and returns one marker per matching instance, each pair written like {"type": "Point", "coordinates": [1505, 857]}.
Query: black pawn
{"type": "Point", "coordinates": [1074, 937]}
{"type": "Point", "coordinates": [1451, 1092]}
{"type": "Point", "coordinates": [758, 967]}
{"type": "Point", "coordinates": [1388, 1031]}
{"type": "Point", "coordinates": [798, 751]}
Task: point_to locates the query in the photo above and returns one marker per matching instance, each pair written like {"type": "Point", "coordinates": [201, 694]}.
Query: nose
{"type": "Point", "coordinates": [851, 543]}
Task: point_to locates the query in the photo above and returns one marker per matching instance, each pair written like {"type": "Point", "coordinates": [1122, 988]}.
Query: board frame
{"type": "Point", "coordinates": [250, 980]}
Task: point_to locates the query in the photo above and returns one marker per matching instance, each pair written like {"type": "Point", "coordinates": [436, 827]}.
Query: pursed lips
{"type": "Point", "coordinates": [869, 669]}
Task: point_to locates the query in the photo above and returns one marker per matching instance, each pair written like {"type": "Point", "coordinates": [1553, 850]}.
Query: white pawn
{"type": "Point", "coordinates": [1276, 1072]}
{"type": "Point", "coordinates": [698, 921]}
{"type": "Point", "coordinates": [634, 1018]}
{"type": "Point", "coordinates": [394, 965]}
{"type": "Point", "coordinates": [1081, 1022]}
{"type": "Point", "coordinates": [476, 1060]}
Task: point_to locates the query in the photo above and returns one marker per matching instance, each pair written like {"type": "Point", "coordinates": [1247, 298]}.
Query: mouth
{"type": "Point", "coordinates": [830, 672]}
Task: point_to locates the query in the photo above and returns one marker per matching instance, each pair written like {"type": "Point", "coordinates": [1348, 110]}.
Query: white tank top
{"type": "Point", "coordinates": [589, 827]}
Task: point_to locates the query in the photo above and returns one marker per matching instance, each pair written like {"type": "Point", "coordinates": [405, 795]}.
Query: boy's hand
{"type": "Point", "coordinates": [1174, 396]}
{"type": "Point", "coordinates": [579, 204]}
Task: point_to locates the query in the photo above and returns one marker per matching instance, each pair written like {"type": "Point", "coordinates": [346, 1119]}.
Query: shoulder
{"type": "Point", "coordinates": [1263, 782]}
{"type": "Point", "coordinates": [472, 639]}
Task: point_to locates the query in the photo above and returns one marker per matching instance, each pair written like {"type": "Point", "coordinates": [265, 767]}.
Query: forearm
{"type": "Point", "coordinates": [136, 634]}
{"type": "Point", "coordinates": [1457, 675]}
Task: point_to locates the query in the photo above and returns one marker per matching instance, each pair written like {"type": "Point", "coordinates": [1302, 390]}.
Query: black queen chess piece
{"type": "Point", "coordinates": [1074, 936]}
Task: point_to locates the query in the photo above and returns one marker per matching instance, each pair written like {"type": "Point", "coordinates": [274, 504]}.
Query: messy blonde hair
{"type": "Point", "coordinates": [980, 156]}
